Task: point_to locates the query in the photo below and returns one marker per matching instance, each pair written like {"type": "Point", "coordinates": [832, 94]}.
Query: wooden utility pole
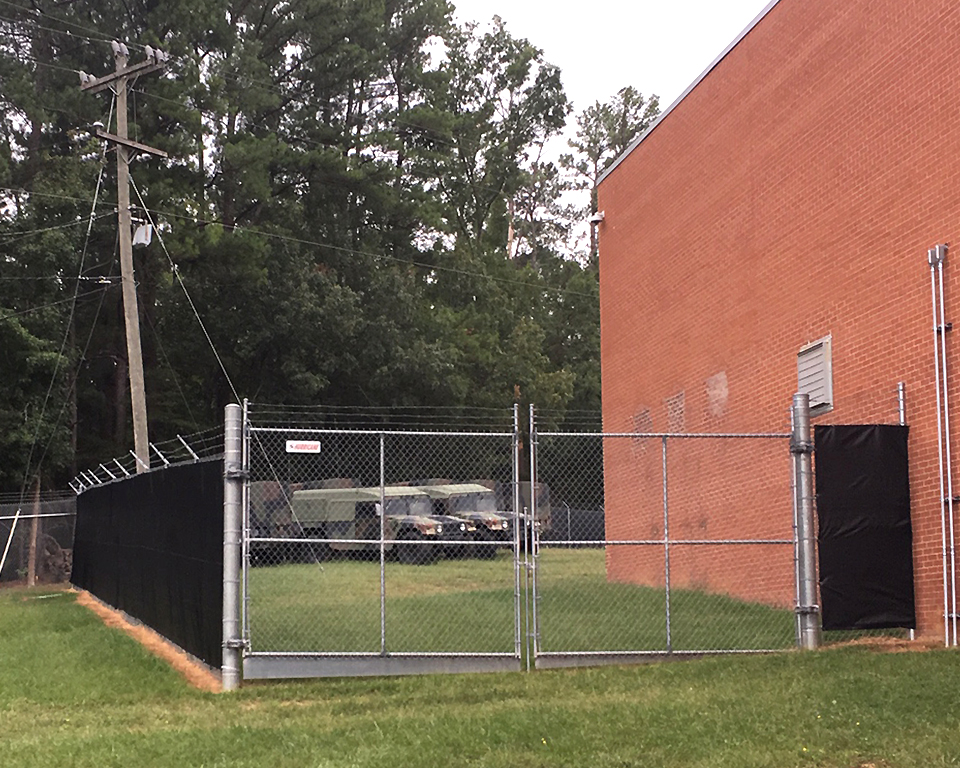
{"type": "Point", "coordinates": [121, 79]}
{"type": "Point", "coordinates": [34, 535]}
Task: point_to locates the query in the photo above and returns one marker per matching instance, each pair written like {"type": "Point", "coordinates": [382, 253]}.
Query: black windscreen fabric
{"type": "Point", "coordinates": [865, 537]}
{"type": "Point", "coordinates": [152, 546]}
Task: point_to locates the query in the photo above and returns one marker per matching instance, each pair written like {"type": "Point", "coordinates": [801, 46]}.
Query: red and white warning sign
{"type": "Point", "coordinates": [303, 446]}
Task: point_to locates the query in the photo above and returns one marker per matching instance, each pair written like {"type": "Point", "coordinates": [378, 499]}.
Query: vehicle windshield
{"type": "Point", "coordinates": [474, 502]}
{"type": "Point", "coordinates": [409, 505]}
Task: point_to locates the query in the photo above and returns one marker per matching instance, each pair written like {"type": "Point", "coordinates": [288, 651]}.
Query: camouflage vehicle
{"type": "Point", "coordinates": [349, 518]}
{"type": "Point", "coordinates": [542, 510]}
{"type": "Point", "coordinates": [476, 504]}
{"type": "Point", "coordinates": [403, 501]}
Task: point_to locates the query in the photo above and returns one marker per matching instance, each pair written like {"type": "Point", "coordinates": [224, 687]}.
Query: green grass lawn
{"type": "Point", "coordinates": [75, 693]}
{"type": "Point", "coordinates": [468, 605]}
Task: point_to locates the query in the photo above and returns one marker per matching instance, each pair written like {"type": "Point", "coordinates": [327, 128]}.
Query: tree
{"type": "Point", "coordinates": [342, 178]}
{"type": "Point", "coordinates": [604, 132]}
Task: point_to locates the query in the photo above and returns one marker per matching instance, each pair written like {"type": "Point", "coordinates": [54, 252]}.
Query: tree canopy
{"type": "Point", "coordinates": [357, 210]}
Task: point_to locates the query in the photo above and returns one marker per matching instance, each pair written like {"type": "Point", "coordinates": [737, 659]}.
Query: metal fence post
{"type": "Point", "coordinates": [666, 549]}
{"type": "Point", "coordinates": [232, 545]}
{"type": "Point", "coordinates": [519, 623]}
{"type": "Point", "coordinates": [801, 446]}
{"type": "Point", "coordinates": [530, 531]}
{"type": "Point", "coordinates": [383, 546]}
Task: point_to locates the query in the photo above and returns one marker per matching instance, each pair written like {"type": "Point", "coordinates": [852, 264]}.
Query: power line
{"type": "Point", "coordinates": [371, 254]}
{"type": "Point", "coordinates": [173, 372]}
{"type": "Point", "coordinates": [40, 13]}
{"type": "Point", "coordinates": [176, 271]}
{"type": "Point", "coordinates": [30, 232]}
{"type": "Point", "coordinates": [66, 336]}
{"type": "Point", "coordinates": [341, 249]}
{"type": "Point", "coordinates": [23, 312]}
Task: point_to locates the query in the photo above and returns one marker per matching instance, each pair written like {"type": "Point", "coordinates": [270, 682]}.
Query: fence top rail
{"type": "Point", "coordinates": [557, 543]}
{"type": "Point", "coordinates": [407, 432]}
{"type": "Point", "coordinates": [681, 435]}
{"type": "Point", "coordinates": [46, 514]}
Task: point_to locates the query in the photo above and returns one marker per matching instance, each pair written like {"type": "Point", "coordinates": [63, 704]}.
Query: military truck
{"type": "Point", "coordinates": [476, 504]}
{"type": "Point", "coordinates": [350, 520]}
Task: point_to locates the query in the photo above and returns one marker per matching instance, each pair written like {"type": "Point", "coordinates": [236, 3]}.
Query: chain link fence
{"type": "Point", "coordinates": [36, 538]}
{"type": "Point", "coordinates": [375, 548]}
{"type": "Point", "coordinates": [654, 544]}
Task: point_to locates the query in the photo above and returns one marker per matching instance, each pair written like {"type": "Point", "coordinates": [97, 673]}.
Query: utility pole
{"type": "Point", "coordinates": [121, 78]}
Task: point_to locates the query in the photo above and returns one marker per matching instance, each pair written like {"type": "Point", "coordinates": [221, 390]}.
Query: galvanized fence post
{"type": "Point", "coordinates": [245, 497]}
{"type": "Point", "coordinates": [519, 623]}
{"type": "Point", "coordinates": [666, 548]}
{"type": "Point", "coordinates": [530, 527]}
{"type": "Point", "coordinates": [232, 545]}
{"type": "Point", "coordinates": [801, 446]}
{"type": "Point", "coordinates": [383, 546]}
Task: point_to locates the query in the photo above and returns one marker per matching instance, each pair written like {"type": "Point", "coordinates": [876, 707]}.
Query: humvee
{"type": "Point", "coordinates": [476, 504]}
{"type": "Point", "coordinates": [350, 520]}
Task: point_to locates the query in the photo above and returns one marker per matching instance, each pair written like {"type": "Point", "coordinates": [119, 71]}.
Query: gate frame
{"type": "Point", "coordinates": [241, 662]}
{"type": "Point", "coordinates": [806, 608]}
{"type": "Point", "coordinates": [258, 665]}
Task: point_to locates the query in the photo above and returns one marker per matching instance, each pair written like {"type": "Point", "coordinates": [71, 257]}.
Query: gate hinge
{"type": "Point", "coordinates": [237, 644]}
{"type": "Point", "coordinates": [800, 446]}
{"type": "Point", "coordinates": [233, 473]}
{"type": "Point", "coordinates": [806, 610]}
{"type": "Point", "coordinates": [944, 328]}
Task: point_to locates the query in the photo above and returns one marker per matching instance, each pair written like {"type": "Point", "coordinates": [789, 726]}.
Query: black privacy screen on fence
{"type": "Point", "coordinates": [152, 545]}
{"type": "Point", "coordinates": [865, 537]}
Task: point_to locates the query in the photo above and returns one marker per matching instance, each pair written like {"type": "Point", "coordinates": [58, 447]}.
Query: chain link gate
{"type": "Point", "coordinates": [653, 544]}
{"type": "Point", "coordinates": [379, 551]}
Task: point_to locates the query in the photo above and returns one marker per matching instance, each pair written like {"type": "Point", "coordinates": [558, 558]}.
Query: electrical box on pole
{"type": "Point", "coordinates": [119, 81]}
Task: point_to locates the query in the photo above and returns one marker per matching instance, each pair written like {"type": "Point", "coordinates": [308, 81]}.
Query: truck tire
{"type": "Point", "coordinates": [412, 549]}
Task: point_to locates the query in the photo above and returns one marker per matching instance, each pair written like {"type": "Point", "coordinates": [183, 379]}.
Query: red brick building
{"type": "Point", "coordinates": [789, 197]}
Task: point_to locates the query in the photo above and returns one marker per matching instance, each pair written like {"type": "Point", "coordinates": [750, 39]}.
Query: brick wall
{"type": "Point", "coordinates": [793, 194]}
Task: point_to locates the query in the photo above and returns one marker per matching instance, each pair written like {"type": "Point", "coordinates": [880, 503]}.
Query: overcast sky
{"type": "Point", "coordinates": [603, 45]}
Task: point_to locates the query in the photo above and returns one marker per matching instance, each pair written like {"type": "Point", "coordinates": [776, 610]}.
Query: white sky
{"type": "Point", "coordinates": [657, 46]}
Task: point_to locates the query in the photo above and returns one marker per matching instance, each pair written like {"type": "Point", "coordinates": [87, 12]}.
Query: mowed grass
{"type": "Point", "coordinates": [76, 693]}
{"type": "Point", "coordinates": [468, 605]}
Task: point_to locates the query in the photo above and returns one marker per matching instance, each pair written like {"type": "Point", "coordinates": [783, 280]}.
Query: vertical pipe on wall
{"type": "Point", "coordinates": [933, 257]}
{"type": "Point", "coordinates": [232, 543]}
{"type": "Point", "coordinates": [801, 446]}
{"type": "Point", "coordinates": [942, 253]}
{"type": "Point", "coordinates": [666, 548]}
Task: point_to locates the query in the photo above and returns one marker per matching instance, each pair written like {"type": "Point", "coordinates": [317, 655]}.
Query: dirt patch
{"type": "Point", "coordinates": [191, 670]}
{"type": "Point", "coordinates": [891, 644]}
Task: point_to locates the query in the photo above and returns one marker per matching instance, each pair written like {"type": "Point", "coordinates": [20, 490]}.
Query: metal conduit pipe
{"type": "Point", "coordinates": [934, 258]}
{"type": "Point", "coordinates": [931, 258]}
{"type": "Point", "coordinates": [942, 249]}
